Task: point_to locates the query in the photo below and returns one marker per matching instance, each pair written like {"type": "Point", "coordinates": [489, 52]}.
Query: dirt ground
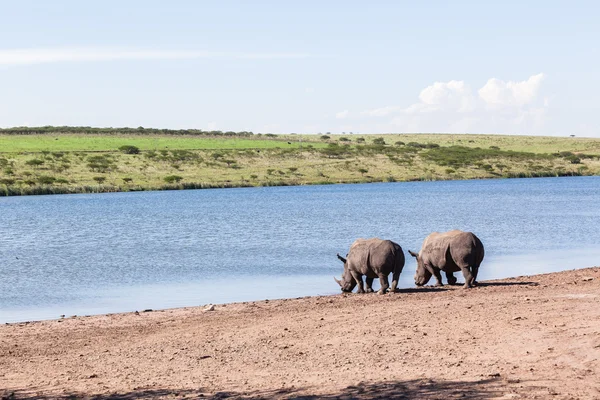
{"type": "Point", "coordinates": [531, 337]}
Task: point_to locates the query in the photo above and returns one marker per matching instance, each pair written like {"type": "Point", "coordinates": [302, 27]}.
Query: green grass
{"type": "Point", "coordinates": [59, 142]}
{"type": "Point", "coordinates": [88, 162]}
{"type": "Point", "coordinates": [533, 144]}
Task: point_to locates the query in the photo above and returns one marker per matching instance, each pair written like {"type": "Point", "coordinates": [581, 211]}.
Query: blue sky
{"type": "Point", "coordinates": [515, 67]}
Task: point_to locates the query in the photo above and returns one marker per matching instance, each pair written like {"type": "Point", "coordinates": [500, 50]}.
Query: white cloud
{"type": "Point", "coordinates": [453, 94]}
{"type": "Point", "coordinates": [342, 114]}
{"type": "Point", "coordinates": [499, 93]}
{"type": "Point", "coordinates": [53, 55]}
{"type": "Point", "coordinates": [498, 106]}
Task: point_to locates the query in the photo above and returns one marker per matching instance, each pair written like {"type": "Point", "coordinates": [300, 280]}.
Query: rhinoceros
{"type": "Point", "coordinates": [375, 258]}
{"type": "Point", "coordinates": [450, 252]}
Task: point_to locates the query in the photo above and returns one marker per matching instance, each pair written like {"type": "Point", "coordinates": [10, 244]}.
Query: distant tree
{"type": "Point", "coordinates": [99, 179]}
{"type": "Point", "coordinates": [363, 171]}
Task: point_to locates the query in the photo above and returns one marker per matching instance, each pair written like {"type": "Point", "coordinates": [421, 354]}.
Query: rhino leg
{"type": "Point", "coordinates": [438, 277]}
{"type": "Point", "coordinates": [450, 278]}
{"type": "Point", "coordinates": [385, 284]}
{"type": "Point", "coordinates": [474, 271]}
{"type": "Point", "coordinates": [394, 287]}
{"type": "Point", "coordinates": [358, 278]}
{"type": "Point", "coordinates": [369, 282]}
{"type": "Point", "coordinates": [468, 277]}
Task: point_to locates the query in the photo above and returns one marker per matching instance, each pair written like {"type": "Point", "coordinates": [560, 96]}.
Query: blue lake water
{"type": "Point", "coordinates": [118, 252]}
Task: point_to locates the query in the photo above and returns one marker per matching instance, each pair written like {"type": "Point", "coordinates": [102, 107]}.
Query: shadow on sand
{"type": "Point", "coordinates": [413, 389]}
{"type": "Point", "coordinates": [516, 283]}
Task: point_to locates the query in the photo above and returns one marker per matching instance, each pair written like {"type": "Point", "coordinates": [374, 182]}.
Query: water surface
{"type": "Point", "coordinates": [100, 253]}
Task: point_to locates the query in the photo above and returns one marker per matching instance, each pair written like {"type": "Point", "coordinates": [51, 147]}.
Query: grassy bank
{"type": "Point", "coordinates": [64, 160]}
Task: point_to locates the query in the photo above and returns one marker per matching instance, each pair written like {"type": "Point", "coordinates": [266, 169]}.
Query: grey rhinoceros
{"type": "Point", "coordinates": [450, 252]}
{"type": "Point", "coordinates": [374, 258]}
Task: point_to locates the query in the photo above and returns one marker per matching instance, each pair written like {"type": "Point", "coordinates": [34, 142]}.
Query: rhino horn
{"type": "Point", "coordinates": [337, 280]}
{"type": "Point", "coordinates": [342, 259]}
{"type": "Point", "coordinates": [412, 253]}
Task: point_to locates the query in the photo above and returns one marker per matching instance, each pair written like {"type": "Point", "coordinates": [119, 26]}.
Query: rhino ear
{"type": "Point", "coordinates": [412, 253]}
{"type": "Point", "coordinates": [342, 259]}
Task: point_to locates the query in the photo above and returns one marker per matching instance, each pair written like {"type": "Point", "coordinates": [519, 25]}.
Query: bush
{"type": "Point", "coordinates": [325, 137]}
{"type": "Point", "coordinates": [35, 162]}
{"type": "Point", "coordinates": [399, 143]}
{"type": "Point", "coordinates": [100, 163]}
{"type": "Point", "coordinates": [129, 149]}
{"type": "Point", "coordinates": [7, 181]}
{"type": "Point", "coordinates": [344, 139]}
{"type": "Point", "coordinates": [173, 178]}
{"type": "Point", "coordinates": [460, 156]}
{"type": "Point", "coordinates": [46, 180]}
{"type": "Point", "coordinates": [99, 179]}
{"type": "Point", "coordinates": [335, 150]}
{"type": "Point", "coordinates": [184, 155]}
{"type": "Point", "coordinates": [379, 141]}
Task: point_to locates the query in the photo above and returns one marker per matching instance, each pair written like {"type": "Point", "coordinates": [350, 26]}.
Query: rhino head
{"type": "Point", "coordinates": [347, 283]}
{"type": "Point", "coordinates": [422, 275]}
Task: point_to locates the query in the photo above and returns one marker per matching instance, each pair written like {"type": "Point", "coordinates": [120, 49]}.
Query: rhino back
{"type": "Point", "coordinates": [372, 256]}
{"type": "Point", "coordinates": [452, 250]}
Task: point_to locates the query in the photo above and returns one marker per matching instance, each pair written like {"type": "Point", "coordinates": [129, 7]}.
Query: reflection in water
{"type": "Point", "coordinates": [86, 254]}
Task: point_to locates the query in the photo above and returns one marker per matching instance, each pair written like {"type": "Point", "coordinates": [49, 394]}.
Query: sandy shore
{"type": "Point", "coordinates": [526, 337]}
